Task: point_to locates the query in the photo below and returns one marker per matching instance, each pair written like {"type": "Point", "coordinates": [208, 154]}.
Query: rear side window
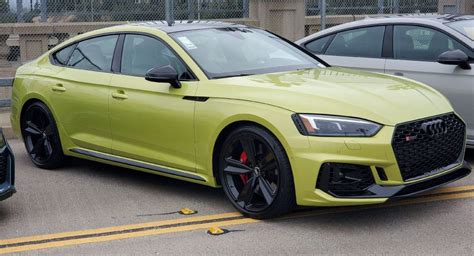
{"type": "Point", "coordinates": [422, 44]}
{"type": "Point", "coordinates": [362, 42]}
{"type": "Point", "coordinates": [62, 56]}
{"type": "Point", "coordinates": [317, 46]}
{"type": "Point", "coordinates": [94, 54]}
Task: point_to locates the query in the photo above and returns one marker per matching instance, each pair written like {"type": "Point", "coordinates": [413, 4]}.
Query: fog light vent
{"type": "Point", "coordinates": [342, 180]}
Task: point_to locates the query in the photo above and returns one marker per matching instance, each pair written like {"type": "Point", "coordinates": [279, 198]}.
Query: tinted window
{"type": "Point", "coordinates": [363, 42]}
{"type": "Point", "coordinates": [94, 54]}
{"type": "Point", "coordinates": [142, 53]}
{"type": "Point", "coordinates": [317, 46]}
{"type": "Point", "coordinates": [62, 56]}
{"type": "Point", "coordinates": [420, 43]}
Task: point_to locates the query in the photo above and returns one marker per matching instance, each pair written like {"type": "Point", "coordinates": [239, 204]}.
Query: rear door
{"type": "Point", "coordinates": [415, 53]}
{"type": "Point", "coordinates": [79, 94]}
{"type": "Point", "coordinates": [360, 48]}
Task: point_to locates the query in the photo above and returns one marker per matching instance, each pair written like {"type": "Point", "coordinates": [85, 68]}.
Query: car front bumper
{"type": "Point", "coordinates": [7, 173]}
{"type": "Point", "coordinates": [373, 153]}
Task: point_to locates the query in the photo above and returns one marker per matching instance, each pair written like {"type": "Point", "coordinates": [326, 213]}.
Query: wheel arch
{"type": "Point", "coordinates": [235, 124]}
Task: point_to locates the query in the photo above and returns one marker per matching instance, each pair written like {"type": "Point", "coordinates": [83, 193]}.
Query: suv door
{"type": "Point", "coordinates": [415, 53]}
{"type": "Point", "coordinates": [151, 121]}
{"type": "Point", "coordinates": [80, 91]}
{"type": "Point", "coordinates": [356, 48]}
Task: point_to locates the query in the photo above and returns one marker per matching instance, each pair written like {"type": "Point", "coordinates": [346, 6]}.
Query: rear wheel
{"type": "Point", "coordinates": [255, 173]}
{"type": "Point", "coordinates": [41, 137]}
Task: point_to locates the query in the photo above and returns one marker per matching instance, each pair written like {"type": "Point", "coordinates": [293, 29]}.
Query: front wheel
{"type": "Point", "coordinates": [41, 136]}
{"type": "Point", "coordinates": [256, 174]}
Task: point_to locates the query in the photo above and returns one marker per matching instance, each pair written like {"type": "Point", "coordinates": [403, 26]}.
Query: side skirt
{"type": "Point", "coordinates": [138, 164]}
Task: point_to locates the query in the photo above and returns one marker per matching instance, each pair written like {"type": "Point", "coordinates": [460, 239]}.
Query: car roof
{"type": "Point", "coordinates": [186, 25]}
{"type": "Point", "coordinates": [434, 20]}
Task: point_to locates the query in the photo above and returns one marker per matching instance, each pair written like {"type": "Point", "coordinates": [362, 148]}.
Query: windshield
{"type": "Point", "coordinates": [227, 52]}
{"type": "Point", "coordinates": [465, 27]}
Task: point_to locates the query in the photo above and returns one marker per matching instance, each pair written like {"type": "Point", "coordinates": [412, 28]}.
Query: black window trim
{"type": "Point", "coordinates": [452, 37]}
{"type": "Point", "coordinates": [119, 55]}
{"type": "Point", "coordinates": [53, 62]}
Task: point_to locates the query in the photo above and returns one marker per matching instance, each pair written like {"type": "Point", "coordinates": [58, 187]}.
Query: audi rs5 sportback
{"type": "Point", "coordinates": [234, 106]}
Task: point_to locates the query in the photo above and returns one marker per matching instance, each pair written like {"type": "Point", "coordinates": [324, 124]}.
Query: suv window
{"type": "Point", "coordinates": [62, 56]}
{"type": "Point", "coordinates": [142, 53]}
{"type": "Point", "coordinates": [317, 46]}
{"type": "Point", "coordinates": [421, 43]}
{"type": "Point", "coordinates": [362, 42]}
{"type": "Point", "coordinates": [94, 54]}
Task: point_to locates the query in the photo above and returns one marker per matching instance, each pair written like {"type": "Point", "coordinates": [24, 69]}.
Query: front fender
{"type": "Point", "coordinates": [214, 115]}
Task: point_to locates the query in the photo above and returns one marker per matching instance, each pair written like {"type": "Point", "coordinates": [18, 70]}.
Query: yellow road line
{"type": "Point", "coordinates": [187, 224]}
{"type": "Point", "coordinates": [120, 228]}
{"type": "Point", "coordinates": [452, 189]}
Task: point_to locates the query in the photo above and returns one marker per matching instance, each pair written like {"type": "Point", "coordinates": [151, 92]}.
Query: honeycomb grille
{"type": "Point", "coordinates": [3, 169]}
{"type": "Point", "coordinates": [425, 147]}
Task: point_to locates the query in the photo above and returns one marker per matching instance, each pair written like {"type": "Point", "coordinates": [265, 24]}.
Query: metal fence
{"type": "Point", "coordinates": [30, 27]}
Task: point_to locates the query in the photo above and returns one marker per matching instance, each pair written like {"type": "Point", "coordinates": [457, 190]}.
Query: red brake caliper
{"type": "Point", "coordinates": [244, 160]}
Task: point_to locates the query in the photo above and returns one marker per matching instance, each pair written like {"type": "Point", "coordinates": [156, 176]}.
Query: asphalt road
{"type": "Point", "coordinates": [114, 211]}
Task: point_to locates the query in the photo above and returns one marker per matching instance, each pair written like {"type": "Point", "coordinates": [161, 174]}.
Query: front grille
{"type": "Point", "coordinates": [3, 169]}
{"type": "Point", "coordinates": [428, 146]}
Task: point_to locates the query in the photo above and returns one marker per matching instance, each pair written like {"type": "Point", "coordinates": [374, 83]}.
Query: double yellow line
{"type": "Point", "coordinates": [198, 223]}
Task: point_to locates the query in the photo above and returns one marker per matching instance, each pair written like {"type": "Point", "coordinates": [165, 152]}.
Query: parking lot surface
{"type": "Point", "coordinates": [107, 210]}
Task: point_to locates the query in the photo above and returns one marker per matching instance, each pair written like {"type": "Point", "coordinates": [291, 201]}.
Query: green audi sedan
{"type": "Point", "coordinates": [237, 107]}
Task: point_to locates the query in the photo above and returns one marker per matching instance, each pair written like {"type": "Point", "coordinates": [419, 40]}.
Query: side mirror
{"type": "Point", "coordinates": [455, 57]}
{"type": "Point", "coordinates": [164, 74]}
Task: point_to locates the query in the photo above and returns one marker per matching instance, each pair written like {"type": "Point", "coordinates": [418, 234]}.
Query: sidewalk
{"type": "Point", "coordinates": [5, 123]}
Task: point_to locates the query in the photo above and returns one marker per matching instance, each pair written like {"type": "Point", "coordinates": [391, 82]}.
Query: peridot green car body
{"type": "Point", "coordinates": [150, 126]}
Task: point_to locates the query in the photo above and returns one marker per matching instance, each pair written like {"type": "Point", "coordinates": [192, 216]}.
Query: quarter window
{"type": "Point", "coordinates": [142, 53]}
{"type": "Point", "coordinates": [62, 56]}
{"type": "Point", "coordinates": [362, 42]}
{"type": "Point", "coordinates": [317, 46]}
{"type": "Point", "coordinates": [422, 44]}
{"type": "Point", "coordinates": [94, 54]}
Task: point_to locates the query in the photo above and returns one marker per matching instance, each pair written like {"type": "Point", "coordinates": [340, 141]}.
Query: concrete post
{"type": "Point", "coordinates": [322, 9]}
{"type": "Point", "coordinates": [32, 46]}
{"type": "Point", "coordinates": [283, 17]}
{"type": "Point", "coordinates": [169, 7]}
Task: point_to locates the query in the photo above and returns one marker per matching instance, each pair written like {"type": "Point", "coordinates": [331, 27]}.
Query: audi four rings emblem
{"type": "Point", "coordinates": [434, 128]}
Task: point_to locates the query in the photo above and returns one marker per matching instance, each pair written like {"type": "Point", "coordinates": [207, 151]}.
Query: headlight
{"type": "Point", "coordinates": [337, 126]}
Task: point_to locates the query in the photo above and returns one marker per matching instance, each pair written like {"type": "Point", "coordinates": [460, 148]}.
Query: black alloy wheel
{"type": "Point", "coordinates": [256, 173]}
{"type": "Point", "coordinates": [41, 136]}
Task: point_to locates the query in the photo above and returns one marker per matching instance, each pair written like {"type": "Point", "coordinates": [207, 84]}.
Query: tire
{"type": "Point", "coordinates": [255, 173]}
{"type": "Point", "coordinates": [41, 137]}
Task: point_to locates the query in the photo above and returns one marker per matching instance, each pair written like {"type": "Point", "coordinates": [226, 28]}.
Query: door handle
{"type": "Point", "coordinates": [398, 74]}
{"type": "Point", "coordinates": [58, 88]}
{"type": "Point", "coordinates": [120, 95]}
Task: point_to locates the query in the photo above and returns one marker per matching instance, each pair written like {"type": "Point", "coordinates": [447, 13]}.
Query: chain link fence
{"type": "Point", "coordinates": [28, 28]}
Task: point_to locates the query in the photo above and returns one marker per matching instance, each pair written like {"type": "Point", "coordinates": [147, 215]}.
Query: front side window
{"type": "Point", "coordinates": [317, 46]}
{"type": "Point", "coordinates": [227, 52]}
{"type": "Point", "coordinates": [422, 44]}
{"type": "Point", "coordinates": [142, 53]}
{"type": "Point", "coordinates": [362, 42]}
{"type": "Point", "coordinates": [94, 54]}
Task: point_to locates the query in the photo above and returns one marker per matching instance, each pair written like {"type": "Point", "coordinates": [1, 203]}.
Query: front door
{"type": "Point", "coordinates": [150, 121]}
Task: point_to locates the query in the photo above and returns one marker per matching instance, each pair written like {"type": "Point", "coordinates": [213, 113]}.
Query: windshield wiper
{"type": "Point", "coordinates": [233, 75]}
